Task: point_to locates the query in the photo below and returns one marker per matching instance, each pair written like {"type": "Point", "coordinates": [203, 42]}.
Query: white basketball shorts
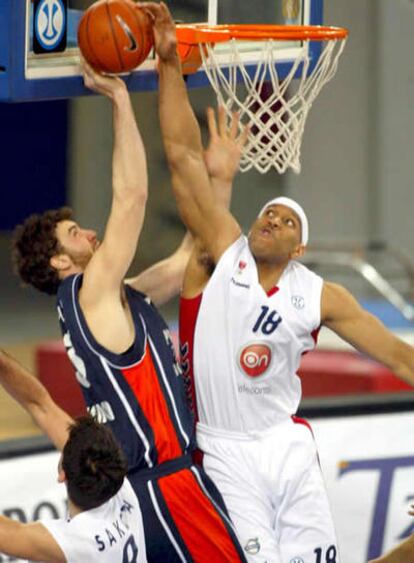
{"type": "Point", "coordinates": [273, 487]}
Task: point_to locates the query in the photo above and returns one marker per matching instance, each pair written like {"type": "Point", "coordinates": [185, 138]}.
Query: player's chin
{"type": "Point", "coordinates": [260, 247]}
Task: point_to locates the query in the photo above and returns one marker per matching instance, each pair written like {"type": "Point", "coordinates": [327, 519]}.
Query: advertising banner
{"type": "Point", "coordinates": [367, 461]}
{"type": "Point", "coordinates": [368, 464]}
{"type": "Point", "coordinates": [29, 489]}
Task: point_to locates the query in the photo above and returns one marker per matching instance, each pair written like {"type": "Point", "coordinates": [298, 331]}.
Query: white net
{"type": "Point", "coordinates": [275, 109]}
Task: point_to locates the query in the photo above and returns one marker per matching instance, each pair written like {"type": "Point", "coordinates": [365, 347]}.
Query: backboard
{"type": "Point", "coordinates": [26, 75]}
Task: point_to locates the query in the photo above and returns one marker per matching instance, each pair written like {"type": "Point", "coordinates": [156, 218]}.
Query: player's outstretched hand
{"type": "Point", "coordinates": [411, 511]}
{"type": "Point", "coordinates": [101, 83]}
{"type": "Point", "coordinates": [222, 156]}
{"type": "Point", "coordinates": [165, 39]}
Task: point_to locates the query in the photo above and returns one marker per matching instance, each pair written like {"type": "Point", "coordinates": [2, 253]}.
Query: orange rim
{"type": "Point", "coordinates": [200, 33]}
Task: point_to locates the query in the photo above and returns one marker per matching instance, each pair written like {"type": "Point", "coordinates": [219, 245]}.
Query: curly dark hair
{"type": "Point", "coordinates": [33, 244]}
{"type": "Point", "coordinates": [93, 462]}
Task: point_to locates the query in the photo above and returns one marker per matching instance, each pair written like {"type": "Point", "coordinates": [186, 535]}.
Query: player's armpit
{"type": "Point", "coordinates": [199, 269]}
{"type": "Point", "coordinates": [29, 541]}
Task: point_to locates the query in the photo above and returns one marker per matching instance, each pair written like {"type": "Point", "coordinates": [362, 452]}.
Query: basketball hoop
{"type": "Point", "coordinates": [276, 120]}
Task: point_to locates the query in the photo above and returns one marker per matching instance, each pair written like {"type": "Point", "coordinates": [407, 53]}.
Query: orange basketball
{"type": "Point", "coordinates": [115, 36]}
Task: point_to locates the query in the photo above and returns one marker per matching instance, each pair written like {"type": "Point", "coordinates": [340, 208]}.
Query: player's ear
{"type": "Point", "coordinates": [60, 262]}
{"type": "Point", "coordinates": [298, 252]}
{"type": "Point", "coordinates": [61, 472]}
{"type": "Point", "coordinates": [61, 476]}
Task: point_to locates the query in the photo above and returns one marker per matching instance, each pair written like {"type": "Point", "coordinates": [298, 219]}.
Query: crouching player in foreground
{"type": "Point", "coordinates": [104, 521]}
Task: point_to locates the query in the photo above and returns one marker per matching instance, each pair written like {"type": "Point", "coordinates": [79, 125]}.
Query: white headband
{"type": "Point", "coordinates": [287, 202]}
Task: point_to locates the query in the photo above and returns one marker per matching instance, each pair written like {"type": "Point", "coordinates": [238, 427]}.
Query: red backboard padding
{"type": "Point", "coordinates": [323, 373]}
{"type": "Point", "coordinates": [56, 373]}
{"type": "Point", "coordinates": [331, 372]}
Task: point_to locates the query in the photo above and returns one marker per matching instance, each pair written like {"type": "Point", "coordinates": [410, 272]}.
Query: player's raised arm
{"type": "Point", "coordinates": [30, 541]}
{"type": "Point", "coordinates": [35, 399]}
{"type": "Point", "coordinates": [163, 281]}
{"type": "Point", "coordinates": [109, 264]}
{"type": "Point", "coordinates": [222, 158]}
{"type": "Point", "coordinates": [201, 212]}
{"type": "Point", "coordinates": [342, 314]}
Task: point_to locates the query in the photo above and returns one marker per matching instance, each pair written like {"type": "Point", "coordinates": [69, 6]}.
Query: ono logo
{"type": "Point", "coordinates": [254, 359]}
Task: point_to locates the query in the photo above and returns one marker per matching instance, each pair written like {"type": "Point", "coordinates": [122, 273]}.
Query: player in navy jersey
{"type": "Point", "coordinates": [122, 352]}
{"type": "Point", "coordinates": [104, 521]}
{"type": "Point", "coordinates": [251, 321]}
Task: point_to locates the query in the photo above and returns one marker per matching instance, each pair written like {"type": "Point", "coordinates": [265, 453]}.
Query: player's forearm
{"type": "Point", "coordinates": [374, 339]}
{"type": "Point", "coordinates": [21, 384]}
{"type": "Point", "coordinates": [370, 337]}
{"type": "Point", "coordinates": [223, 190]}
{"type": "Point", "coordinates": [28, 541]}
{"type": "Point", "coordinates": [180, 130]}
{"type": "Point", "coordinates": [403, 361]}
{"type": "Point", "coordinates": [9, 537]}
{"type": "Point", "coordinates": [163, 281]}
{"type": "Point", "coordinates": [129, 164]}
{"type": "Point", "coordinates": [35, 399]}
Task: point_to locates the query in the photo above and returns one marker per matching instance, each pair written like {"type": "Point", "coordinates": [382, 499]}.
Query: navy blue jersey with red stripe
{"type": "Point", "coordinates": [139, 393]}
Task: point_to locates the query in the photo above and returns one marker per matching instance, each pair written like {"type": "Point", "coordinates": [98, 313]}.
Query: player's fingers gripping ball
{"type": "Point", "coordinates": [115, 36]}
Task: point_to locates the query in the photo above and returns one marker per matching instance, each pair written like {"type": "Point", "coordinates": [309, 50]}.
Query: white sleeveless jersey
{"type": "Point", "coordinates": [111, 533]}
{"type": "Point", "coordinates": [248, 344]}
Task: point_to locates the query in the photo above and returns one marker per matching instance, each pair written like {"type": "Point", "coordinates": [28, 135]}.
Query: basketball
{"type": "Point", "coordinates": [115, 36]}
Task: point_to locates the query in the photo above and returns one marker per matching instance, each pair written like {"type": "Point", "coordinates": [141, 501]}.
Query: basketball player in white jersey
{"type": "Point", "coordinates": [104, 520]}
{"type": "Point", "coordinates": [257, 315]}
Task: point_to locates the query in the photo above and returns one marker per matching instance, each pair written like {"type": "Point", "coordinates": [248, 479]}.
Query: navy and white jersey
{"type": "Point", "coordinates": [110, 533]}
{"type": "Point", "coordinates": [139, 393]}
{"type": "Point", "coordinates": [243, 346]}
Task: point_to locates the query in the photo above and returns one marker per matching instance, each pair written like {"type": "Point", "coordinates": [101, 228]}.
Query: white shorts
{"type": "Point", "coordinates": [274, 491]}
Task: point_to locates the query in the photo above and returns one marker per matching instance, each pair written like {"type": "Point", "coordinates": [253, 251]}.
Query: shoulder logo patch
{"type": "Point", "coordinates": [241, 266]}
{"type": "Point", "coordinates": [298, 302]}
{"type": "Point", "coordinates": [252, 546]}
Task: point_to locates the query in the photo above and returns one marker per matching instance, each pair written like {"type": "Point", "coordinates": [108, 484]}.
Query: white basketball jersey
{"type": "Point", "coordinates": [111, 533]}
{"type": "Point", "coordinates": [248, 344]}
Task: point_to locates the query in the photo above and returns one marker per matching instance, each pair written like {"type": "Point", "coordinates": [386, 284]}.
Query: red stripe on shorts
{"type": "Point", "coordinates": [197, 520]}
{"type": "Point", "coordinates": [143, 380]}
